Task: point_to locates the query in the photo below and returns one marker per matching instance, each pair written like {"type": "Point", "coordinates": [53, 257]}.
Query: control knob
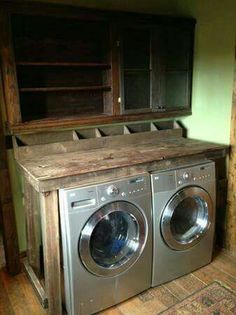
{"type": "Point", "coordinates": [112, 190]}
{"type": "Point", "coordinates": [186, 175]}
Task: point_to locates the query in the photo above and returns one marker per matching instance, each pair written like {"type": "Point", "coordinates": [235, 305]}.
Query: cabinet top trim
{"type": "Point", "coordinates": [65, 10]}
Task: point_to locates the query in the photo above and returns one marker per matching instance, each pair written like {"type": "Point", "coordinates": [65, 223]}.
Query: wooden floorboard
{"type": "Point", "coordinates": [17, 296]}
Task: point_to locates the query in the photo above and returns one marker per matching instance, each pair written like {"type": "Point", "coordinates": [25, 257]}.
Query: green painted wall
{"type": "Point", "coordinates": [213, 68]}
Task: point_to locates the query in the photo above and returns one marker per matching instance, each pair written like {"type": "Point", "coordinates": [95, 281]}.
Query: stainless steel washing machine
{"type": "Point", "coordinates": [183, 220]}
{"type": "Point", "coordinates": [107, 243]}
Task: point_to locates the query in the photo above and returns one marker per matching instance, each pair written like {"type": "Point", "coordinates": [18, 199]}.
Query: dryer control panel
{"type": "Point", "coordinates": [172, 179]}
{"type": "Point", "coordinates": [197, 174]}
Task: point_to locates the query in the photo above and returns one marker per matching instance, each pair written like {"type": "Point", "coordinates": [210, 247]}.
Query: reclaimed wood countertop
{"type": "Point", "coordinates": [66, 169]}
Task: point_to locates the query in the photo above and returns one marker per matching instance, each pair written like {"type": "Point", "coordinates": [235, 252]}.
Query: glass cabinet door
{"type": "Point", "coordinates": [172, 50]}
{"type": "Point", "coordinates": [135, 70]}
{"type": "Point", "coordinates": [156, 68]}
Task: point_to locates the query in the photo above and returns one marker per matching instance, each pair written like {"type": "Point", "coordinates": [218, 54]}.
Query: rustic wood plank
{"type": "Point", "coordinates": [9, 72]}
{"type": "Point", "coordinates": [51, 249]}
{"type": "Point", "coordinates": [47, 137]}
{"type": "Point", "coordinates": [231, 209]}
{"type": "Point", "coordinates": [65, 89]}
{"type": "Point", "coordinates": [64, 64]}
{"type": "Point", "coordinates": [39, 289]}
{"type": "Point", "coordinates": [31, 202]}
{"type": "Point", "coordinates": [108, 175]}
{"type": "Point", "coordinates": [7, 213]}
{"type": "Point", "coordinates": [88, 144]}
{"type": "Point", "coordinates": [93, 119]}
{"type": "Point", "coordinates": [74, 164]}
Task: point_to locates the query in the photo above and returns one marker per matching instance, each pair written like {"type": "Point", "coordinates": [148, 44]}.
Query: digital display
{"type": "Point", "coordinates": [136, 180]}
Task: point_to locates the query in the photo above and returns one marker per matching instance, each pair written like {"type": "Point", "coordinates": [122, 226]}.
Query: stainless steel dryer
{"type": "Point", "coordinates": [107, 243]}
{"type": "Point", "coordinates": [183, 220]}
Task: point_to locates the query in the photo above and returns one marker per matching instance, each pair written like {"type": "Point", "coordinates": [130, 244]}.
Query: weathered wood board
{"type": "Point", "coordinates": [231, 199]}
{"type": "Point", "coordinates": [69, 167]}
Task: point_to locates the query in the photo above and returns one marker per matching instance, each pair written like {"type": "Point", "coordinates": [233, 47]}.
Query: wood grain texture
{"type": "Point", "coordinates": [62, 122]}
{"type": "Point", "coordinates": [89, 141]}
{"type": "Point", "coordinates": [51, 250]}
{"type": "Point", "coordinates": [32, 227]}
{"type": "Point", "coordinates": [37, 285]}
{"type": "Point", "coordinates": [75, 164]}
{"type": "Point", "coordinates": [6, 204]}
{"type": "Point", "coordinates": [9, 72]}
{"type": "Point", "coordinates": [231, 199]}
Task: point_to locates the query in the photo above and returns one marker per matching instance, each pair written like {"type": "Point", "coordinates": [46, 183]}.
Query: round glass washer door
{"type": "Point", "coordinates": [113, 238]}
{"type": "Point", "coordinates": [186, 218]}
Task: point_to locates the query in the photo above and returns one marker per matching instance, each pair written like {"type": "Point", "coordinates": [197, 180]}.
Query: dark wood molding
{"type": "Point", "coordinates": [75, 11]}
{"type": "Point", "coordinates": [48, 124]}
{"type": "Point", "coordinates": [8, 68]}
{"type": "Point", "coordinates": [7, 213]}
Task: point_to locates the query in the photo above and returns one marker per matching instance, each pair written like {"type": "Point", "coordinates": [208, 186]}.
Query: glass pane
{"type": "Point", "coordinates": [137, 90]}
{"type": "Point", "coordinates": [136, 48]}
{"type": "Point", "coordinates": [190, 218]}
{"type": "Point", "coordinates": [114, 239]}
{"type": "Point", "coordinates": [178, 50]}
{"type": "Point", "coordinates": [176, 90]}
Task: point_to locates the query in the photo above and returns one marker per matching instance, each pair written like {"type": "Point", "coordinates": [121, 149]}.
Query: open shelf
{"type": "Point", "coordinates": [63, 67]}
{"type": "Point", "coordinates": [63, 64]}
{"type": "Point", "coordinates": [66, 89]}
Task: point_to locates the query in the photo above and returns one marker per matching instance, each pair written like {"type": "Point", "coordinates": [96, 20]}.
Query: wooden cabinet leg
{"type": "Point", "coordinates": [51, 249]}
{"type": "Point", "coordinates": [32, 227]}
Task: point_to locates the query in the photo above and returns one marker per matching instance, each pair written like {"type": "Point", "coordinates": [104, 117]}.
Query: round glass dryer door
{"type": "Point", "coordinates": [113, 238]}
{"type": "Point", "coordinates": [186, 218]}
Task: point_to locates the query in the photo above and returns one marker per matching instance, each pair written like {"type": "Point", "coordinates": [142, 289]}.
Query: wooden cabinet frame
{"type": "Point", "coordinates": [114, 108]}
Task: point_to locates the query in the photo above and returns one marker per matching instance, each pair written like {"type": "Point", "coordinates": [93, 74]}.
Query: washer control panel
{"type": "Point", "coordinates": [122, 189]}
{"type": "Point", "coordinates": [90, 197]}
